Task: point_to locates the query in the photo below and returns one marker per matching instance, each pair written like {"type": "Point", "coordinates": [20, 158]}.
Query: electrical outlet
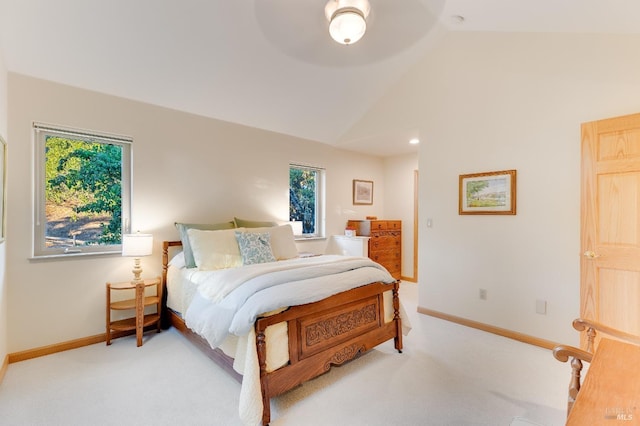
{"type": "Point", "coordinates": [483, 294]}
{"type": "Point", "coordinates": [541, 307]}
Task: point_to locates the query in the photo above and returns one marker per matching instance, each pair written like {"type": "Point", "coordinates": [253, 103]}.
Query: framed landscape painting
{"type": "Point", "coordinates": [488, 193]}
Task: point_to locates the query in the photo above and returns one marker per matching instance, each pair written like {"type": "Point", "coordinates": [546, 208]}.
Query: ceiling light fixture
{"type": "Point", "coordinates": [347, 19]}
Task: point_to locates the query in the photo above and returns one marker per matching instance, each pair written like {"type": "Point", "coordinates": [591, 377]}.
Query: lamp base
{"type": "Point", "coordinates": [137, 270]}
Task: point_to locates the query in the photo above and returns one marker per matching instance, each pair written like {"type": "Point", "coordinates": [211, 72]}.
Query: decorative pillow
{"type": "Point", "coordinates": [242, 223]}
{"type": "Point", "coordinates": [215, 249]}
{"type": "Point", "coordinates": [283, 243]}
{"type": "Point", "coordinates": [186, 246]}
{"type": "Point", "coordinates": [254, 247]}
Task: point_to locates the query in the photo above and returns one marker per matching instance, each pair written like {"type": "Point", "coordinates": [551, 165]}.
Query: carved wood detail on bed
{"type": "Point", "coordinates": [329, 332]}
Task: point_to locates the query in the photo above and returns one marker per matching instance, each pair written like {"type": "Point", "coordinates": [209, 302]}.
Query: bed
{"type": "Point", "coordinates": [272, 350]}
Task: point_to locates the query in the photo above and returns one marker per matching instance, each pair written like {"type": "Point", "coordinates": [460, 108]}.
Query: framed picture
{"type": "Point", "coordinates": [362, 192]}
{"type": "Point", "coordinates": [488, 193]}
{"type": "Point", "coordinates": [3, 180]}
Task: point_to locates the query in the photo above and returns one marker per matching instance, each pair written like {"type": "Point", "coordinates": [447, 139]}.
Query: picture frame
{"type": "Point", "coordinates": [488, 193]}
{"type": "Point", "coordinates": [362, 192]}
{"type": "Point", "coordinates": [3, 183]}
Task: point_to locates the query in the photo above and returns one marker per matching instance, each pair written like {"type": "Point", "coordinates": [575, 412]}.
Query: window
{"type": "Point", "coordinates": [82, 191]}
{"type": "Point", "coordinates": [306, 199]}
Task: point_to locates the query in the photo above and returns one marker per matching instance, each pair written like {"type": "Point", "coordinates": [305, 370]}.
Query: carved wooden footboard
{"type": "Point", "coordinates": [329, 332]}
{"type": "Point", "coordinates": [325, 333]}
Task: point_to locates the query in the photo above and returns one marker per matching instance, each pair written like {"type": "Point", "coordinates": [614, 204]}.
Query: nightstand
{"type": "Point", "coordinates": [348, 246]}
{"type": "Point", "coordinates": [137, 304]}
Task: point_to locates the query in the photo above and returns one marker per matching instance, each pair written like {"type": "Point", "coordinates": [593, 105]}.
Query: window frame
{"type": "Point", "coordinates": [320, 199]}
{"type": "Point", "coordinates": [40, 133]}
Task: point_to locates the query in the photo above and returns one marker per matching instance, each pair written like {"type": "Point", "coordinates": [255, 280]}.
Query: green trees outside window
{"type": "Point", "coordinates": [82, 194]}
{"type": "Point", "coordinates": [306, 198]}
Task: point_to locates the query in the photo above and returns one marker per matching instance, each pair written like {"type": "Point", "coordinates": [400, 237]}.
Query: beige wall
{"type": "Point", "coordinates": [3, 283]}
{"type": "Point", "coordinates": [399, 175]}
{"type": "Point", "coordinates": [481, 102]}
{"type": "Point", "coordinates": [494, 101]}
{"type": "Point", "coordinates": [186, 168]}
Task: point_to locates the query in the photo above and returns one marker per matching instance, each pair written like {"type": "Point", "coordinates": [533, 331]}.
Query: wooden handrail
{"type": "Point", "coordinates": [563, 352]}
{"type": "Point", "coordinates": [592, 327]}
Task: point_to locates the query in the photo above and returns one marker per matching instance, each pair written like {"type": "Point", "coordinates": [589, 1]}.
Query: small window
{"type": "Point", "coordinates": [82, 191]}
{"type": "Point", "coordinates": [306, 199]}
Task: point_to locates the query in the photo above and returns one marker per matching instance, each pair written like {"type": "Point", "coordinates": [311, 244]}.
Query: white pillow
{"type": "Point", "coordinates": [215, 249]}
{"type": "Point", "coordinates": [178, 261]}
{"type": "Point", "coordinates": [283, 243]}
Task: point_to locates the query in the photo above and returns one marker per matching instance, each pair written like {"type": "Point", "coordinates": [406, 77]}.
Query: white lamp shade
{"type": "Point", "coordinates": [347, 19]}
{"type": "Point", "coordinates": [296, 225]}
{"type": "Point", "coordinates": [137, 245]}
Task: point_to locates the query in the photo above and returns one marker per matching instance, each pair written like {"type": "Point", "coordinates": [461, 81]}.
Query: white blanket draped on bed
{"type": "Point", "coordinates": [229, 302]}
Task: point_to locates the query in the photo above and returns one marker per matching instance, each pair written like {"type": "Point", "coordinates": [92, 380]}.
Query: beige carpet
{"type": "Point", "coordinates": [447, 375]}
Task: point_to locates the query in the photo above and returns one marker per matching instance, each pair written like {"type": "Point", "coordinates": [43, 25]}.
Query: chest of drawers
{"type": "Point", "coordinates": [385, 242]}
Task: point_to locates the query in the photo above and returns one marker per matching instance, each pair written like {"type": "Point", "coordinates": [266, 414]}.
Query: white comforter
{"type": "Point", "coordinates": [229, 301]}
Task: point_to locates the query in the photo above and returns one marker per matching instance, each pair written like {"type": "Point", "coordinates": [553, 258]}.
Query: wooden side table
{"type": "Point", "coordinates": [138, 303]}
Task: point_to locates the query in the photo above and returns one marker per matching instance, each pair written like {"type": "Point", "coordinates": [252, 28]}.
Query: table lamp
{"type": "Point", "coordinates": [137, 245]}
{"type": "Point", "coordinates": [296, 225]}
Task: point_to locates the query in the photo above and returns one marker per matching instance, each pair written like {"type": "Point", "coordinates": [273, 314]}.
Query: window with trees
{"type": "Point", "coordinates": [306, 199]}
{"type": "Point", "coordinates": [82, 191]}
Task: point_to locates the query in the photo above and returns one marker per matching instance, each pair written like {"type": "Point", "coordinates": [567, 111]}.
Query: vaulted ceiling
{"type": "Point", "coordinates": [268, 64]}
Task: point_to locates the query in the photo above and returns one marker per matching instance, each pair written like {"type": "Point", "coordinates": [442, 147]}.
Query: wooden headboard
{"type": "Point", "coordinates": [165, 257]}
{"type": "Point", "coordinates": [165, 266]}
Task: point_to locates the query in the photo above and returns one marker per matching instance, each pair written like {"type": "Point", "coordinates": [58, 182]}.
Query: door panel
{"type": "Point", "coordinates": [618, 211]}
{"type": "Point", "coordinates": [610, 223]}
{"type": "Point", "coordinates": [616, 286]}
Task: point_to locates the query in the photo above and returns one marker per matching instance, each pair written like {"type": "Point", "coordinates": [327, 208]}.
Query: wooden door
{"type": "Point", "coordinates": [610, 223]}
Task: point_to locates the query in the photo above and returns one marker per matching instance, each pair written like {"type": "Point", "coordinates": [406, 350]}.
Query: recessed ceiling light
{"type": "Point", "coordinates": [414, 141]}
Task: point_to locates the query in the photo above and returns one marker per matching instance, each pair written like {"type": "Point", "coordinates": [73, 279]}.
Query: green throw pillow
{"type": "Point", "coordinates": [243, 223]}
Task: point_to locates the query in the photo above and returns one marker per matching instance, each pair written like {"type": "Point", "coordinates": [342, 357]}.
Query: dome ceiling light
{"type": "Point", "coordinates": [347, 19]}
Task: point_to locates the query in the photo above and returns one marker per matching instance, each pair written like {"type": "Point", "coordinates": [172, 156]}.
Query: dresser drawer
{"type": "Point", "coordinates": [394, 224]}
{"type": "Point", "coordinates": [370, 227]}
{"type": "Point", "coordinates": [378, 225]}
{"type": "Point", "coordinates": [386, 233]}
{"type": "Point", "coordinates": [385, 256]}
{"type": "Point", "coordinates": [392, 265]}
{"type": "Point", "coordinates": [385, 240]}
